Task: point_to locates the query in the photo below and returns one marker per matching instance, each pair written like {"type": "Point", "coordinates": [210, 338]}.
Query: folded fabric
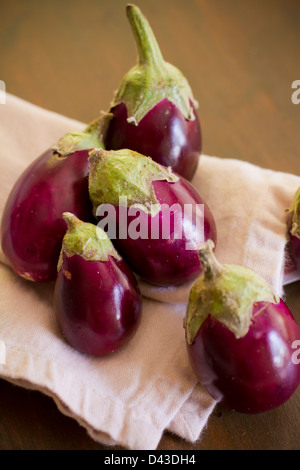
{"type": "Point", "coordinates": [133, 396]}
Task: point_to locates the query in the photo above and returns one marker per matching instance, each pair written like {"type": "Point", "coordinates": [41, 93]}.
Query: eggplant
{"type": "Point", "coordinates": [241, 337]}
{"type": "Point", "coordinates": [32, 227]}
{"type": "Point", "coordinates": [155, 217]}
{"type": "Point", "coordinates": [293, 226]}
{"type": "Point", "coordinates": [97, 301]}
{"type": "Point", "coordinates": [154, 112]}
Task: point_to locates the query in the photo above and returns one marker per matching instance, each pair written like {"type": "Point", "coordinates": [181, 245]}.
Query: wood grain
{"type": "Point", "coordinates": [240, 58]}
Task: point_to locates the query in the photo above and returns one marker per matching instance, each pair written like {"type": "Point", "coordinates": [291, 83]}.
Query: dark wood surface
{"type": "Point", "coordinates": [240, 58]}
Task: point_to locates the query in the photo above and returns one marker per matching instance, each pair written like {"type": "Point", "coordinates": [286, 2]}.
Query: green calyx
{"type": "Point", "coordinates": [74, 141]}
{"type": "Point", "coordinates": [119, 175]}
{"type": "Point", "coordinates": [152, 79]}
{"type": "Point", "coordinates": [295, 211]}
{"type": "Point", "coordinates": [227, 293]}
{"type": "Point", "coordinates": [86, 240]}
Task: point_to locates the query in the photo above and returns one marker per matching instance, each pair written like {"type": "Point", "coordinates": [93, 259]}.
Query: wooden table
{"type": "Point", "coordinates": [241, 58]}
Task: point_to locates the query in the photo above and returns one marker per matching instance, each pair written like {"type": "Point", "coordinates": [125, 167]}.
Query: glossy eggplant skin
{"type": "Point", "coordinates": [97, 304]}
{"type": "Point", "coordinates": [166, 261]}
{"type": "Point", "coordinates": [255, 373]}
{"type": "Point", "coordinates": [162, 134]}
{"type": "Point", "coordinates": [32, 227]}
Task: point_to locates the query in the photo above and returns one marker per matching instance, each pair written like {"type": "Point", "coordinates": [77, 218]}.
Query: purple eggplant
{"type": "Point", "coordinates": [156, 218]}
{"type": "Point", "coordinates": [154, 111]}
{"type": "Point", "coordinates": [97, 301]}
{"type": "Point", "coordinates": [32, 227]}
{"type": "Point", "coordinates": [293, 225]}
{"type": "Point", "coordinates": [241, 338]}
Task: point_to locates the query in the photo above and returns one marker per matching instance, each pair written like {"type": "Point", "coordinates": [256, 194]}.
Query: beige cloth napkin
{"type": "Point", "coordinates": [133, 396]}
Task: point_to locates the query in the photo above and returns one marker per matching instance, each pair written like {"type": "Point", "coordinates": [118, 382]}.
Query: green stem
{"type": "Point", "coordinates": [72, 221]}
{"type": "Point", "coordinates": [148, 49]}
{"type": "Point", "coordinates": [94, 126]}
{"type": "Point", "coordinates": [87, 139]}
{"type": "Point", "coordinates": [125, 173]}
{"type": "Point", "coordinates": [226, 293]}
{"type": "Point", "coordinates": [152, 79]}
{"type": "Point", "coordinates": [210, 265]}
{"type": "Point", "coordinates": [86, 240]}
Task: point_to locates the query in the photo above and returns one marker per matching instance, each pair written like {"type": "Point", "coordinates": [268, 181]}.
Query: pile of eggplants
{"type": "Point", "coordinates": [82, 216]}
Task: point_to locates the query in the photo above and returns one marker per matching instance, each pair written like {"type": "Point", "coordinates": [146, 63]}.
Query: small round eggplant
{"type": "Point", "coordinates": [293, 225]}
{"type": "Point", "coordinates": [32, 227]}
{"type": "Point", "coordinates": [241, 338]}
{"type": "Point", "coordinates": [156, 219]}
{"type": "Point", "coordinates": [97, 301]}
{"type": "Point", "coordinates": [154, 111]}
